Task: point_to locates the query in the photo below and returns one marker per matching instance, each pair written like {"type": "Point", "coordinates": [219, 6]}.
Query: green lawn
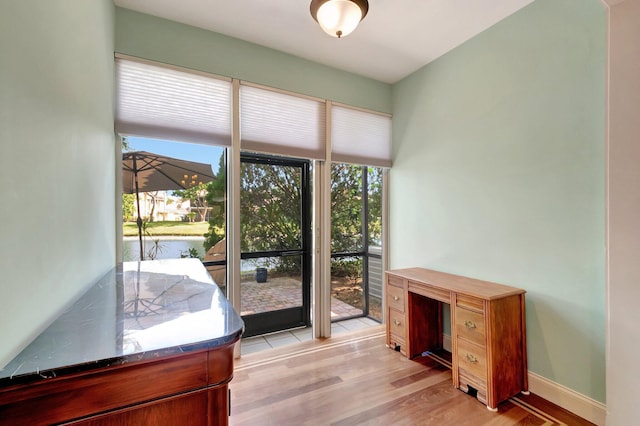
{"type": "Point", "coordinates": [196, 229]}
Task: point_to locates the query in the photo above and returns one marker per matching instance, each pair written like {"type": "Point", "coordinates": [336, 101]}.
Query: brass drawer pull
{"type": "Point", "coordinates": [472, 359]}
{"type": "Point", "coordinates": [397, 322]}
{"type": "Point", "coordinates": [396, 298]}
{"type": "Point", "coordinates": [470, 324]}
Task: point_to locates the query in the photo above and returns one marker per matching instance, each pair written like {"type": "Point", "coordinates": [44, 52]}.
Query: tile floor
{"type": "Point", "coordinates": [282, 338]}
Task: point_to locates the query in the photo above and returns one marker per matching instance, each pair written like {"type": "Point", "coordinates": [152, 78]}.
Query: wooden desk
{"type": "Point", "coordinates": [488, 337]}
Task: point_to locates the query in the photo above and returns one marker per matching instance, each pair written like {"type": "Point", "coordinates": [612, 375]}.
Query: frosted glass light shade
{"type": "Point", "coordinates": [339, 18]}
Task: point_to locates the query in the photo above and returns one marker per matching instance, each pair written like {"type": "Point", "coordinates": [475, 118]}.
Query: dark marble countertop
{"type": "Point", "coordinates": [137, 311]}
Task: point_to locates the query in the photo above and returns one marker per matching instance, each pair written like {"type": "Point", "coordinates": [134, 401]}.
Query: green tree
{"type": "Point", "coordinates": [128, 207]}
{"type": "Point", "coordinates": [271, 218]}
{"type": "Point", "coordinates": [217, 199]}
{"type": "Point", "coordinates": [197, 195]}
{"type": "Point", "coordinates": [347, 215]}
{"type": "Point", "coordinates": [374, 182]}
{"type": "Point", "coordinates": [128, 200]}
{"type": "Point", "coordinates": [346, 208]}
{"type": "Point", "coordinates": [270, 209]}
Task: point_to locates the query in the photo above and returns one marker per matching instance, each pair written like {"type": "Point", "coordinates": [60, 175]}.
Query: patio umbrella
{"type": "Point", "coordinates": [145, 171]}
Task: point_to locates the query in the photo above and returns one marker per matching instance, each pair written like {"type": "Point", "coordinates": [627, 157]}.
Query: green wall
{"type": "Point", "coordinates": [173, 43]}
{"type": "Point", "coordinates": [57, 159]}
{"type": "Point", "coordinates": [498, 174]}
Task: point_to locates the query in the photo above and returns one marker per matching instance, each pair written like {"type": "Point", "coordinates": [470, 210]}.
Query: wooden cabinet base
{"type": "Point", "coordinates": [201, 408]}
{"type": "Point", "coordinates": [170, 411]}
{"type": "Point", "coordinates": [191, 388]}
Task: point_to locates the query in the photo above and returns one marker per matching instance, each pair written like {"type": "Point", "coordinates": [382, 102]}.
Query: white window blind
{"type": "Point", "coordinates": [277, 123]}
{"type": "Point", "coordinates": [360, 137]}
{"type": "Point", "coordinates": [165, 103]}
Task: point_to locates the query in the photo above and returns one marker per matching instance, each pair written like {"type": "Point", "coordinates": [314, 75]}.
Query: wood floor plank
{"type": "Point", "coordinates": [399, 409]}
{"type": "Point", "coordinates": [281, 395]}
{"type": "Point", "coordinates": [355, 380]}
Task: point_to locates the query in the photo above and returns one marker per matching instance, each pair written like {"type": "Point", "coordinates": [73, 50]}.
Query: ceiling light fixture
{"type": "Point", "coordinates": [339, 18]}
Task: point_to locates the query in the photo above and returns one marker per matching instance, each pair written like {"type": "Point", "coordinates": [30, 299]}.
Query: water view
{"type": "Point", "coordinates": [174, 247]}
{"type": "Point", "coordinates": [168, 247]}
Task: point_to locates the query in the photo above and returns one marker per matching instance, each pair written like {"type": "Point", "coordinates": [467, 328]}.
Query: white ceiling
{"type": "Point", "coordinates": [396, 37]}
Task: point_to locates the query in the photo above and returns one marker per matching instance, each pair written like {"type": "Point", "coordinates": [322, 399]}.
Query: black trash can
{"type": "Point", "coordinates": [261, 275]}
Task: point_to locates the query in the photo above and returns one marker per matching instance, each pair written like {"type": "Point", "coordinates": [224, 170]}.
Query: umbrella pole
{"type": "Point", "coordinates": [139, 223]}
{"type": "Point", "coordinates": [139, 219]}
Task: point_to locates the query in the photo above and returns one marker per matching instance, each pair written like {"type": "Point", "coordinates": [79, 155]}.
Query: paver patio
{"type": "Point", "coordinates": [280, 293]}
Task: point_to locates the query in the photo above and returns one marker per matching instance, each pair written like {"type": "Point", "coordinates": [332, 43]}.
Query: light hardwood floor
{"type": "Point", "coordinates": [354, 379]}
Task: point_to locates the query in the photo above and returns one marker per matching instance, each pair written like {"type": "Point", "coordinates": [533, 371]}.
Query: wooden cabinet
{"type": "Point", "coordinates": [150, 343]}
{"type": "Point", "coordinates": [488, 339]}
{"type": "Point", "coordinates": [191, 388]}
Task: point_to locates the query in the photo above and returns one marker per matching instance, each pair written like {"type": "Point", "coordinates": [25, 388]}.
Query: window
{"type": "Point", "coordinates": [183, 220]}
{"type": "Point", "coordinates": [362, 138]}
{"type": "Point", "coordinates": [356, 241]}
{"type": "Point", "coordinates": [159, 103]}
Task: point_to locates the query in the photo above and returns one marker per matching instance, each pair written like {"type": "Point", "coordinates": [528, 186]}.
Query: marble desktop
{"type": "Point", "coordinates": [137, 311]}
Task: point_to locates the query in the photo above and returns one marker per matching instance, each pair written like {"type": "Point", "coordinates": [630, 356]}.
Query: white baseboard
{"type": "Point", "coordinates": [570, 400]}
{"type": "Point", "coordinates": [578, 404]}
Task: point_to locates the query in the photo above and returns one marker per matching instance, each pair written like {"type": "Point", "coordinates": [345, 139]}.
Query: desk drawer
{"type": "Point", "coordinates": [395, 280]}
{"type": "Point", "coordinates": [470, 326]}
{"type": "Point", "coordinates": [472, 360]}
{"type": "Point", "coordinates": [431, 292]}
{"type": "Point", "coordinates": [397, 324]}
{"type": "Point", "coordinates": [469, 302]}
{"type": "Point", "coordinates": [395, 297]}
